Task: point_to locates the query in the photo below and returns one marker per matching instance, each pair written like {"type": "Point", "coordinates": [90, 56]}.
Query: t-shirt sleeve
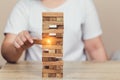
{"type": "Point", "coordinates": [18, 19]}
{"type": "Point", "coordinates": [91, 27]}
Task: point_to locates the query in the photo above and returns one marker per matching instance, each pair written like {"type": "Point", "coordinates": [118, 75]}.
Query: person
{"type": "Point", "coordinates": [82, 30]}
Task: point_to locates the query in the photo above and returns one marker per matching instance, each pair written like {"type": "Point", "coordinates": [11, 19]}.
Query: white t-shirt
{"type": "Point", "coordinates": [80, 23]}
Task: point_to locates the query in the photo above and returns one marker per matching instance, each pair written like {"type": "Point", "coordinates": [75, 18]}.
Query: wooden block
{"type": "Point", "coordinates": [52, 75]}
{"type": "Point", "coordinates": [54, 41]}
{"type": "Point", "coordinates": [58, 51]}
{"type": "Point", "coordinates": [59, 75]}
{"type": "Point", "coordinates": [51, 47]}
{"type": "Point", "coordinates": [45, 50]}
{"type": "Point", "coordinates": [37, 41]}
{"type": "Point", "coordinates": [45, 75]}
{"type": "Point", "coordinates": [60, 19]}
{"type": "Point", "coordinates": [52, 26]}
{"type": "Point", "coordinates": [50, 59]}
{"type": "Point", "coordinates": [44, 35]}
{"type": "Point", "coordinates": [52, 55]}
{"type": "Point", "coordinates": [52, 14]}
{"type": "Point", "coordinates": [52, 51]}
{"type": "Point", "coordinates": [59, 67]}
{"type": "Point", "coordinates": [53, 67]}
{"type": "Point", "coordinates": [45, 67]}
{"type": "Point", "coordinates": [46, 27]}
{"type": "Point", "coordinates": [58, 58]}
{"type": "Point", "coordinates": [60, 27]}
{"type": "Point", "coordinates": [46, 19]}
{"type": "Point", "coordinates": [51, 71]}
{"type": "Point", "coordinates": [49, 41]}
{"type": "Point", "coordinates": [44, 59]}
{"type": "Point", "coordinates": [53, 31]}
{"type": "Point", "coordinates": [59, 43]}
{"type": "Point", "coordinates": [52, 23]}
{"type": "Point", "coordinates": [58, 35]}
{"type": "Point", "coordinates": [53, 63]}
{"type": "Point", "coordinates": [52, 34]}
{"type": "Point", "coordinates": [53, 19]}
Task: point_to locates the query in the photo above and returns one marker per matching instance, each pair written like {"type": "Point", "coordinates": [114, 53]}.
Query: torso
{"type": "Point", "coordinates": [73, 47]}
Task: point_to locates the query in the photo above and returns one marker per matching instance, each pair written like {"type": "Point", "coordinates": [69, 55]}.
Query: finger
{"type": "Point", "coordinates": [29, 38]}
{"type": "Point", "coordinates": [19, 41]}
{"type": "Point", "coordinates": [16, 45]}
{"type": "Point", "coordinates": [23, 38]}
{"type": "Point", "coordinates": [26, 45]}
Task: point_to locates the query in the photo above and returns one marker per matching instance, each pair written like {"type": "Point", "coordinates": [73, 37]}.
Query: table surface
{"type": "Point", "coordinates": [72, 71]}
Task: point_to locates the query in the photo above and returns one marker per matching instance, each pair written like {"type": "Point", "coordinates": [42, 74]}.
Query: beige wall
{"type": "Point", "coordinates": [5, 8]}
{"type": "Point", "coordinates": [109, 11]}
{"type": "Point", "coordinates": [109, 15]}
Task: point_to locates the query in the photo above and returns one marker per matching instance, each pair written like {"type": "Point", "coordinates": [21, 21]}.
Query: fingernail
{"type": "Point", "coordinates": [31, 41]}
{"type": "Point", "coordinates": [18, 46]}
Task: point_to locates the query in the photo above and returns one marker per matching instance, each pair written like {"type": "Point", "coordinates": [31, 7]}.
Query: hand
{"type": "Point", "coordinates": [23, 40]}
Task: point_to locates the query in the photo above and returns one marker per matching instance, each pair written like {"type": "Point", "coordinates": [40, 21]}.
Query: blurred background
{"type": "Point", "coordinates": [109, 13]}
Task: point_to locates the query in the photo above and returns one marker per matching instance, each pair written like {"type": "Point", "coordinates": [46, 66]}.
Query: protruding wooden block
{"type": "Point", "coordinates": [37, 41]}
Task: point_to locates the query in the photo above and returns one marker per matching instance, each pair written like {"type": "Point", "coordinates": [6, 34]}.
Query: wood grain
{"type": "Point", "coordinates": [71, 71]}
{"type": "Point", "coordinates": [59, 14]}
{"type": "Point", "coordinates": [52, 55]}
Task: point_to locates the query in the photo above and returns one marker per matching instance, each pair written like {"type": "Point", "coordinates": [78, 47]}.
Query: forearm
{"type": "Point", "coordinates": [98, 54]}
{"type": "Point", "coordinates": [10, 53]}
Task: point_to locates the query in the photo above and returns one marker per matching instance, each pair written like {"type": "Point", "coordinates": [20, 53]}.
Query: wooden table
{"type": "Point", "coordinates": [72, 71]}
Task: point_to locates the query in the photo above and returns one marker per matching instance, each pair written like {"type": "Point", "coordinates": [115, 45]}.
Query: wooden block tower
{"type": "Point", "coordinates": [52, 44]}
